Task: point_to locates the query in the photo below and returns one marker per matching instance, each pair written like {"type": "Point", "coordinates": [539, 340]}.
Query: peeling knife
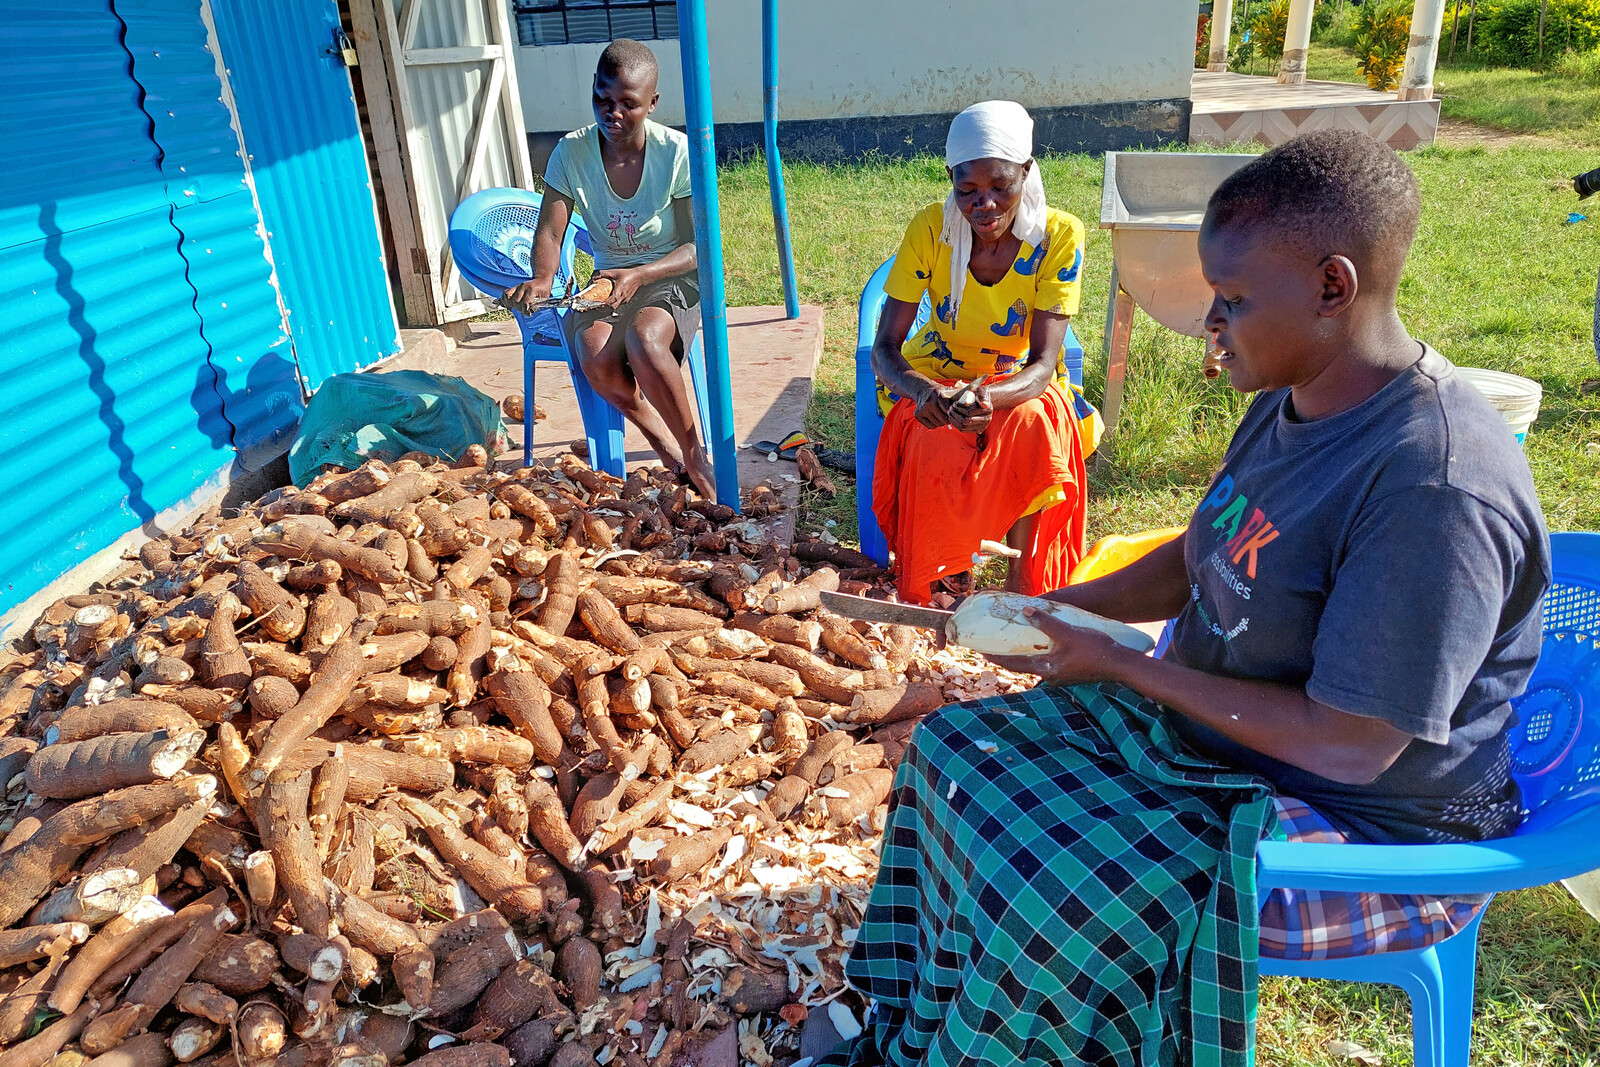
{"type": "Point", "coordinates": [573, 301]}
{"type": "Point", "coordinates": [868, 610]}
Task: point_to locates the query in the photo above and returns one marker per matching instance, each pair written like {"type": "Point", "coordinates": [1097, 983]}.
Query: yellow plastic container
{"type": "Point", "coordinates": [1117, 551]}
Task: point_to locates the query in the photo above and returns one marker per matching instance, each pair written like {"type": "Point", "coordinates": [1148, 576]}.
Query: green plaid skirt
{"type": "Point", "coordinates": [1061, 884]}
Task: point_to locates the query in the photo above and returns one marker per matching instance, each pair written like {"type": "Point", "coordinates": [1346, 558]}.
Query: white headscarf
{"type": "Point", "coordinates": [994, 129]}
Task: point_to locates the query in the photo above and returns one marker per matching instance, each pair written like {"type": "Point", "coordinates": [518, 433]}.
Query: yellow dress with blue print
{"type": "Point", "coordinates": [990, 335]}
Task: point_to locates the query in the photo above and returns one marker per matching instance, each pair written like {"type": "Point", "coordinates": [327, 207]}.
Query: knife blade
{"type": "Point", "coordinates": [570, 302]}
{"type": "Point", "coordinates": [868, 610]}
{"type": "Point", "coordinates": [557, 302]}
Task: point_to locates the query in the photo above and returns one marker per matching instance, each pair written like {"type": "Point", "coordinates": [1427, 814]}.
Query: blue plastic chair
{"type": "Point", "coordinates": [869, 423]}
{"type": "Point", "coordinates": [1555, 759]}
{"type": "Point", "coordinates": [491, 239]}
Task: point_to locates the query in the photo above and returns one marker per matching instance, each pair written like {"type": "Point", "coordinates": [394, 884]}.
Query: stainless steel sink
{"type": "Point", "coordinates": [1152, 202]}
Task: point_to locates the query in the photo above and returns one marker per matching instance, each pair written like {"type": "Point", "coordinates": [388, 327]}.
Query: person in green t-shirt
{"type": "Point", "coordinates": [628, 177]}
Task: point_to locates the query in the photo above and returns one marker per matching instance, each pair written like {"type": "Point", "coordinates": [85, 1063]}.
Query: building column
{"type": "Point", "coordinates": [1296, 43]}
{"type": "Point", "coordinates": [1422, 54]}
{"type": "Point", "coordinates": [1221, 26]}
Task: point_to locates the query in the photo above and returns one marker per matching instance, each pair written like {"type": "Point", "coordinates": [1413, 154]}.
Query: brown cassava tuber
{"type": "Point", "coordinates": [427, 689]}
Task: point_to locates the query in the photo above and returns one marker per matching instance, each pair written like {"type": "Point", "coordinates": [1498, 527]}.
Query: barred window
{"type": "Point", "coordinates": [591, 21]}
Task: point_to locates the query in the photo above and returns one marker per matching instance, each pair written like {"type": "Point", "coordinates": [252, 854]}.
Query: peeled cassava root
{"type": "Point", "coordinates": [993, 622]}
{"type": "Point", "coordinates": [417, 744]}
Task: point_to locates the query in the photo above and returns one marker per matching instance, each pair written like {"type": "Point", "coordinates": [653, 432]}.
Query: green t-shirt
{"type": "Point", "coordinates": [631, 231]}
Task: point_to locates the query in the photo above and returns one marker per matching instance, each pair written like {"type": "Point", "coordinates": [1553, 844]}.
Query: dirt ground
{"type": "Point", "coordinates": [1455, 133]}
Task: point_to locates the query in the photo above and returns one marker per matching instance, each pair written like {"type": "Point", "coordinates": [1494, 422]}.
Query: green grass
{"type": "Point", "coordinates": [1562, 103]}
{"type": "Point", "coordinates": [1495, 281]}
{"type": "Point", "coordinates": [1330, 63]}
{"type": "Point", "coordinates": [1536, 1000]}
{"type": "Point", "coordinates": [1549, 103]}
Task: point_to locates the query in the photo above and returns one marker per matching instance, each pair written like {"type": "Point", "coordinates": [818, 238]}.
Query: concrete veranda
{"type": "Point", "coordinates": [1232, 108]}
{"type": "Point", "coordinates": [772, 361]}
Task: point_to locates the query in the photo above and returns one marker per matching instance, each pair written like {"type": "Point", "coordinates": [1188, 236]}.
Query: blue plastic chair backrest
{"type": "Point", "coordinates": [491, 234]}
{"type": "Point", "coordinates": [578, 234]}
{"type": "Point", "coordinates": [870, 308]}
{"type": "Point", "coordinates": [491, 238]}
{"type": "Point", "coordinates": [1555, 746]}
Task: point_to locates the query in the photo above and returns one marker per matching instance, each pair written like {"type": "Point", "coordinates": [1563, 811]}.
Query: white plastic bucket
{"type": "Point", "coordinates": [1516, 398]}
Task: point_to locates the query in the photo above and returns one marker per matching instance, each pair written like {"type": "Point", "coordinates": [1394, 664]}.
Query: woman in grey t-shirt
{"type": "Point", "coordinates": [1358, 595]}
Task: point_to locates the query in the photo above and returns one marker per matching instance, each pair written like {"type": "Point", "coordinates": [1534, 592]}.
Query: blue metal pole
{"type": "Point", "coordinates": [708, 243]}
{"type": "Point", "coordinates": [769, 124]}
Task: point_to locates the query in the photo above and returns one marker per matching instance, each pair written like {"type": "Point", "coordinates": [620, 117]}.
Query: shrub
{"type": "Point", "coordinates": [1581, 67]}
{"type": "Point", "coordinates": [1509, 31]}
{"type": "Point", "coordinates": [1382, 33]}
{"type": "Point", "coordinates": [1267, 30]}
{"type": "Point", "coordinates": [1241, 41]}
{"type": "Point", "coordinates": [1202, 40]}
{"type": "Point", "coordinates": [1243, 53]}
{"type": "Point", "coordinates": [1339, 29]}
{"type": "Point", "coordinates": [1322, 15]}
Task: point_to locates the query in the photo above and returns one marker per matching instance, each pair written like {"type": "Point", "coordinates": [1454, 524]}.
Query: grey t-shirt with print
{"type": "Point", "coordinates": [1392, 560]}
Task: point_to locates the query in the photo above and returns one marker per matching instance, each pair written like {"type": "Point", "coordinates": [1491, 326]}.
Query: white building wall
{"type": "Point", "coordinates": [853, 58]}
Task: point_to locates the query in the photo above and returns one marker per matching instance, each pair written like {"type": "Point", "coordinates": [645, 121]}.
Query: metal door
{"type": "Point", "coordinates": [297, 116]}
{"type": "Point", "coordinates": [441, 89]}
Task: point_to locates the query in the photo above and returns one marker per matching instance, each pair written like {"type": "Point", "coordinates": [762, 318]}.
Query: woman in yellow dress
{"type": "Point", "coordinates": [980, 441]}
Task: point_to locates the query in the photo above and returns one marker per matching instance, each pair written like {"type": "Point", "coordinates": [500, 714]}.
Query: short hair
{"type": "Point", "coordinates": [1331, 192]}
{"type": "Point", "coordinates": [628, 58]}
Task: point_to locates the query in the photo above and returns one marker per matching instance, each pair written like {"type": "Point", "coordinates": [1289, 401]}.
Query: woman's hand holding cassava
{"type": "Point", "coordinates": [1075, 656]}
{"type": "Point", "coordinates": [933, 406]}
{"type": "Point", "coordinates": [530, 292]}
{"type": "Point", "coordinates": [624, 284]}
{"type": "Point", "coordinates": [975, 415]}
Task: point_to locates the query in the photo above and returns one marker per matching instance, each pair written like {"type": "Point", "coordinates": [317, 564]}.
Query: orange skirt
{"type": "Point", "coordinates": [936, 495]}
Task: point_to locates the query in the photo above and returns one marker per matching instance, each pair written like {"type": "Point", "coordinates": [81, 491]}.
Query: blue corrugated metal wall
{"type": "Point", "coordinates": [250, 363]}
{"type": "Point", "coordinates": [310, 167]}
{"type": "Point", "coordinates": [110, 412]}
{"type": "Point", "coordinates": [141, 339]}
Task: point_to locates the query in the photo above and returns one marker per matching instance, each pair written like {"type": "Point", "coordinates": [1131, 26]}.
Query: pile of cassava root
{"type": "Point", "coordinates": [451, 766]}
